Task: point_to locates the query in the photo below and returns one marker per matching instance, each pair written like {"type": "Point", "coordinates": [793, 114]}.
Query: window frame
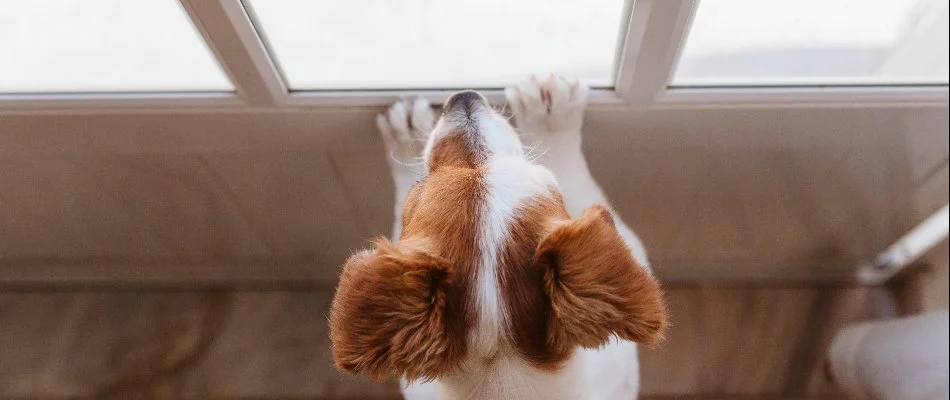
{"type": "Point", "coordinates": [653, 27]}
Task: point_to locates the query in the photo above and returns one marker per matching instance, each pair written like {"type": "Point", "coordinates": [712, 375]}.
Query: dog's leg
{"type": "Point", "coordinates": [549, 113]}
{"type": "Point", "coordinates": [404, 128]}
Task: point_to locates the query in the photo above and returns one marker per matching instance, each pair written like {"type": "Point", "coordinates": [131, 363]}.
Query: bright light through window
{"type": "Point", "coordinates": [816, 42]}
{"type": "Point", "coordinates": [417, 44]}
{"type": "Point", "coordinates": [103, 46]}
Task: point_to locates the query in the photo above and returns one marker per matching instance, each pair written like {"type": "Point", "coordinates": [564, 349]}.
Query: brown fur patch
{"type": "Point", "coordinates": [458, 148]}
{"type": "Point", "coordinates": [568, 283]}
{"type": "Point", "coordinates": [527, 306]}
{"type": "Point", "coordinates": [394, 312]}
{"type": "Point", "coordinates": [407, 310]}
{"type": "Point", "coordinates": [596, 288]}
{"type": "Point", "coordinates": [446, 209]}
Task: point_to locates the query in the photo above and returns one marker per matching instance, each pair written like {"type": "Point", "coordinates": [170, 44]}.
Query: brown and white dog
{"type": "Point", "coordinates": [508, 276]}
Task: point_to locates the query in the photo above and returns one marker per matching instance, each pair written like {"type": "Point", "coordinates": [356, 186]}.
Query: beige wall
{"type": "Point", "coordinates": [928, 155]}
{"type": "Point", "coordinates": [716, 194]}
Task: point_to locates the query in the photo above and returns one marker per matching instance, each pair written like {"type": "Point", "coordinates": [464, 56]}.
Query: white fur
{"type": "Point", "coordinates": [494, 370]}
{"type": "Point", "coordinates": [557, 136]}
{"type": "Point", "coordinates": [404, 129]}
{"type": "Point", "coordinates": [510, 182]}
{"type": "Point", "coordinates": [509, 377]}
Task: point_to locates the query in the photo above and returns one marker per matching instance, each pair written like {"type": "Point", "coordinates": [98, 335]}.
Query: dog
{"type": "Point", "coordinates": [508, 275]}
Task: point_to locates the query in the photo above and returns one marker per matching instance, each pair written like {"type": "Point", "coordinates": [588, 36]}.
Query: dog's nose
{"type": "Point", "coordinates": [465, 101]}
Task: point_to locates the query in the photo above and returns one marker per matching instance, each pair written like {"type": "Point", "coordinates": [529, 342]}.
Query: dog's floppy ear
{"type": "Point", "coordinates": [595, 286]}
{"type": "Point", "coordinates": [396, 313]}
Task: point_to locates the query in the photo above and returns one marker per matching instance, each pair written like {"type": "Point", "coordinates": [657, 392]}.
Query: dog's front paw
{"type": "Point", "coordinates": [404, 128]}
{"type": "Point", "coordinates": [549, 109]}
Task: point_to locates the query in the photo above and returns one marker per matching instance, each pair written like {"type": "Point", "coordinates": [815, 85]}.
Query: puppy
{"type": "Point", "coordinates": [508, 275]}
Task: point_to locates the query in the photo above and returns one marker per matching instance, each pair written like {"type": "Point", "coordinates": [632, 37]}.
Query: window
{"type": "Point", "coordinates": [285, 54]}
{"type": "Point", "coordinates": [62, 46]}
{"type": "Point", "coordinates": [420, 44]}
{"type": "Point", "coordinates": [815, 42]}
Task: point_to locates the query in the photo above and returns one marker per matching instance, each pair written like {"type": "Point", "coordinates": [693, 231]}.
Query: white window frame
{"type": "Point", "coordinates": [656, 27]}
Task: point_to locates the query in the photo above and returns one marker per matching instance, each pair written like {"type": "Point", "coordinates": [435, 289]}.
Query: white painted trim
{"type": "Point", "coordinates": [206, 103]}
{"type": "Point", "coordinates": [254, 44]}
{"type": "Point", "coordinates": [197, 22]}
{"type": "Point", "coordinates": [382, 98]}
{"type": "Point", "coordinates": [693, 98]}
{"type": "Point", "coordinates": [104, 102]}
{"type": "Point", "coordinates": [813, 97]}
{"type": "Point", "coordinates": [623, 33]}
{"type": "Point", "coordinates": [657, 28]}
{"type": "Point", "coordinates": [711, 98]}
{"type": "Point", "coordinates": [228, 31]}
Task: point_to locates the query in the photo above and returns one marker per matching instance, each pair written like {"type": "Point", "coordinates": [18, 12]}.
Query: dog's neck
{"type": "Point", "coordinates": [509, 377]}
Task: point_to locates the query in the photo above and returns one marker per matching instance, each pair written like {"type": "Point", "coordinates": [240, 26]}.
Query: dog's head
{"type": "Point", "coordinates": [489, 262]}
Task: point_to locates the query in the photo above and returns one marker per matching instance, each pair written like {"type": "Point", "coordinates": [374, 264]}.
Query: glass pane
{"type": "Point", "coordinates": [103, 46]}
{"type": "Point", "coordinates": [389, 44]}
{"type": "Point", "coordinates": [816, 42]}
